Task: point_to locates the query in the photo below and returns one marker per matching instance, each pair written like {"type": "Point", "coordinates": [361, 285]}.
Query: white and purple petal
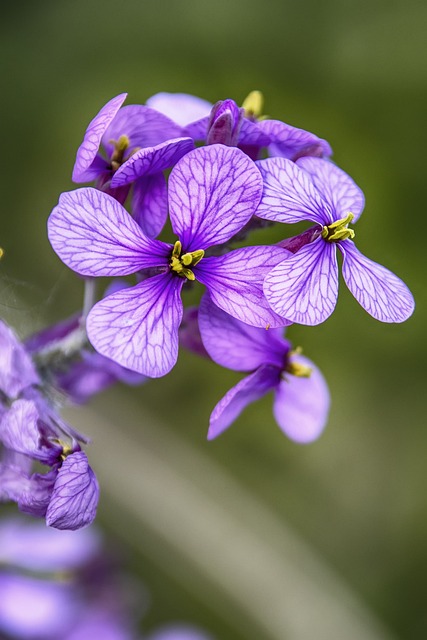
{"type": "Point", "coordinates": [235, 283]}
{"type": "Point", "coordinates": [151, 160]}
{"type": "Point", "coordinates": [236, 345]}
{"type": "Point", "coordinates": [304, 287]}
{"type": "Point", "coordinates": [248, 390]}
{"type": "Point", "coordinates": [380, 292]}
{"type": "Point", "coordinates": [336, 187]}
{"type": "Point", "coordinates": [138, 327]}
{"type": "Point", "coordinates": [301, 405]}
{"type": "Point", "coordinates": [144, 127]}
{"type": "Point", "coordinates": [75, 494]}
{"type": "Point", "coordinates": [88, 149]}
{"type": "Point", "coordinates": [150, 203]}
{"type": "Point", "coordinates": [95, 236]}
{"type": "Point", "coordinates": [289, 194]}
{"type": "Point", "coordinates": [290, 142]}
{"type": "Point", "coordinates": [213, 193]}
{"type": "Point", "coordinates": [182, 108]}
{"type": "Point", "coordinates": [17, 370]}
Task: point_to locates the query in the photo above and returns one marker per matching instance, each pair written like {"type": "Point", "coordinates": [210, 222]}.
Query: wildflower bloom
{"type": "Point", "coordinates": [301, 402]}
{"type": "Point", "coordinates": [304, 287]}
{"type": "Point", "coordinates": [30, 430]}
{"type": "Point", "coordinates": [213, 192]}
{"type": "Point", "coordinates": [252, 131]}
{"type": "Point", "coordinates": [138, 144]}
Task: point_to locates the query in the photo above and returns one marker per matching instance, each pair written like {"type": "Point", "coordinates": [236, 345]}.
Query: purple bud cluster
{"type": "Point", "coordinates": [216, 173]}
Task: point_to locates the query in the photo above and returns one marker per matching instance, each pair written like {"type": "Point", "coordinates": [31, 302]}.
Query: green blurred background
{"type": "Point", "coordinates": [353, 73]}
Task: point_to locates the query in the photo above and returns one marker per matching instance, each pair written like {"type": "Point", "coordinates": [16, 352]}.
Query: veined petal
{"type": "Point", "coordinates": [289, 194]}
{"type": "Point", "coordinates": [336, 187]}
{"type": "Point", "coordinates": [138, 327]}
{"type": "Point", "coordinates": [182, 108]}
{"type": "Point", "coordinates": [236, 345]}
{"type": "Point", "coordinates": [235, 283]}
{"type": "Point", "coordinates": [75, 494]}
{"type": "Point", "coordinates": [301, 405]}
{"type": "Point", "coordinates": [251, 134]}
{"type": "Point", "coordinates": [17, 370]}
{"type": "Point", "coordinates": [291, 142]}
{"type": "Point", "coordinates": [304, 287]}
{"type": "Point", "coordinates": [378, 290]}
{"type": "Point", "coordinates": [151, 160]}
{"type": "Point", "coordinates": [197, 130]}
{"type": "Point", "coordinates": [95, 236]}
{"type": "Point", "coordinates": [248, 390]}
{"type": "Point", "coordinates": [150, 203]}
{"type": "Point", "coordinates": [88, 149]}
{"type": "Point", "coordinates": [144, 127]}
{"type": "Point", "coordinates": [213, 192]}
{"type": "Point", "coordinates": [19, 432]}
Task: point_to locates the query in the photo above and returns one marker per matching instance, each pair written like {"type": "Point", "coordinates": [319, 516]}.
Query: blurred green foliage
{"type": "Point", "coordinates": [353, 72]}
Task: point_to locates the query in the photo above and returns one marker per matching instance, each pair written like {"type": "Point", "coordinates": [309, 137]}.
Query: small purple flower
{"type": "Point", "coordinates": [68, 494]}
{"type": "Point", "coordinates": [213, 193]}
{"type": "Point", "coordinates": [139, 143]}
{"type": "Point", "coordinates": [301, 403]}
{"type": "Point", "coordinates": [304, 287]}
{"type": "Point", "coordinates": [224, 123]}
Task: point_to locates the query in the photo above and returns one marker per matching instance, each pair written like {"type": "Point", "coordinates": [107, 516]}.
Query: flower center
{"type": "Point", "coordinates": [180, 263]}
{"type": "Point", "coordinates": [338, 230]}
{"type": "Point", "coordinates": [297, 368]}
{"type": "Point", "coordinates": [120, 146]}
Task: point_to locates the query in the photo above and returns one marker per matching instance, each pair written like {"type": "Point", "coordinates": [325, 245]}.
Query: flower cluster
{"type": "Point", "coordinates": [59, 585]}
{"type": "Point", "coordinates": [215, 173]}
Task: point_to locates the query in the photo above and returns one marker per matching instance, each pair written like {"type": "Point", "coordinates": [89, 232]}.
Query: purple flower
{"type": "Point", "coordinates": [304, 287]}
{"type": "Point", "coordinates": [68, 494]}
{"type": "Point", "coordinates": [35, 608]}
{"type": "Point", "coordinates": [244, 126]}
{"type": "Point", "coordinates": [179, 632]}
{"type": "Point", "coordinates": [213, 192]}
{"type": "Point", "coordinates": [301, 402]}
{"type": "Point", "coordinates": [139, 143]}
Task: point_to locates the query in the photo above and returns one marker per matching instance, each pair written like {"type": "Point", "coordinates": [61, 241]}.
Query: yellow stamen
{"type": "Point", "coordinates": [180, 263]}
{"type": "Point", "coordinates": [338, 230]}
{"type": "Point", "coordinates": [120, 146]}
{"type": "Point", "coordinates": [253, 104]}
{"type": "Point", "coordinates": [299, 370]}
{"type": "Point", "coordinates": [1, 252]}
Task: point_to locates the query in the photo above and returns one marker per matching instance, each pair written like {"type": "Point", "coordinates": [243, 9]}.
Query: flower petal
{"type": "Point", "coordinates": [150, 204]}
{"type": "Point", "coordinates": [138, 327]}
{"type": "Point", "coordinates": [88, 149]}
{"type": "Point", "coordinates": [151, 160]}
{"type": "Point", "coordinates": [336, 187]}
{"type": "Point", "coordinates": [95, 236]}
{"type": "Point", "coordinates": [236, 345]}
{"type": "Point", "coordinates": [75, 494]}
{"type": "Point", "coordinates": [301, 405]}
{"type": "Point", "coordinates": [19, 432]}
{"type": "Point", "coordinates": [17, 370]}
{"type": "Point", "coordinates": [289, 194]}
{"type": "Point", "coordinates": [290, 142]}
{"type": "Point", "coordinates": [235, 283]}
{"type": "Point", "coordinates": [213, 192]}
{"type": "Point", "coordinates": [144, 127]}
{"type": "Point", "coordinates": [304, 287]}
{"type": "Point", "coordinates": [378, 290]}
{"type": "Point", "coordinates": [182, 108]}
{"type": "Point", "coordinates": [248, 390]}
